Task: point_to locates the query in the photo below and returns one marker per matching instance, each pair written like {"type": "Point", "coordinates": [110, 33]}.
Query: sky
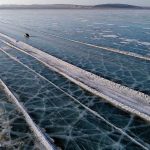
{"type": "Point", "coordinates": [83, 2]}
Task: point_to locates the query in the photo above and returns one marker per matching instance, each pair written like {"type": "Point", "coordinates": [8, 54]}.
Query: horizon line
{"type": "Point", "coordinates": [74, 4]}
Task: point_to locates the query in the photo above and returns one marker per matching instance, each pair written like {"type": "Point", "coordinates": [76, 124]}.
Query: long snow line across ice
{"type": "Point", "coordinates": [126, 53]}
{"type": "Point", "coordinates": [120, 96]}
{"type": "Point", "coordinates": [36, 131]}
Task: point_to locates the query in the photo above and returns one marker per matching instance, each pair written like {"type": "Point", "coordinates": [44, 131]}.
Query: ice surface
{"type": "Point", "coordinates": [71, 126]}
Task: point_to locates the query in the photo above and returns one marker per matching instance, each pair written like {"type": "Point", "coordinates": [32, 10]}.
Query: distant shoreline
{"type": "Point", "coordinates": [70, 6]}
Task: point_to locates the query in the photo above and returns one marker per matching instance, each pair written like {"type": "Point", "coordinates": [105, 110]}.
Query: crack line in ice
{"type": "Point", "coordinates": [77, 101]}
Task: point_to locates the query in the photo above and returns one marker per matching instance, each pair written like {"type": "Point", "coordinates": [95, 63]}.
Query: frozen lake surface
{"type": "Point", "coordinates": [48, 97]}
